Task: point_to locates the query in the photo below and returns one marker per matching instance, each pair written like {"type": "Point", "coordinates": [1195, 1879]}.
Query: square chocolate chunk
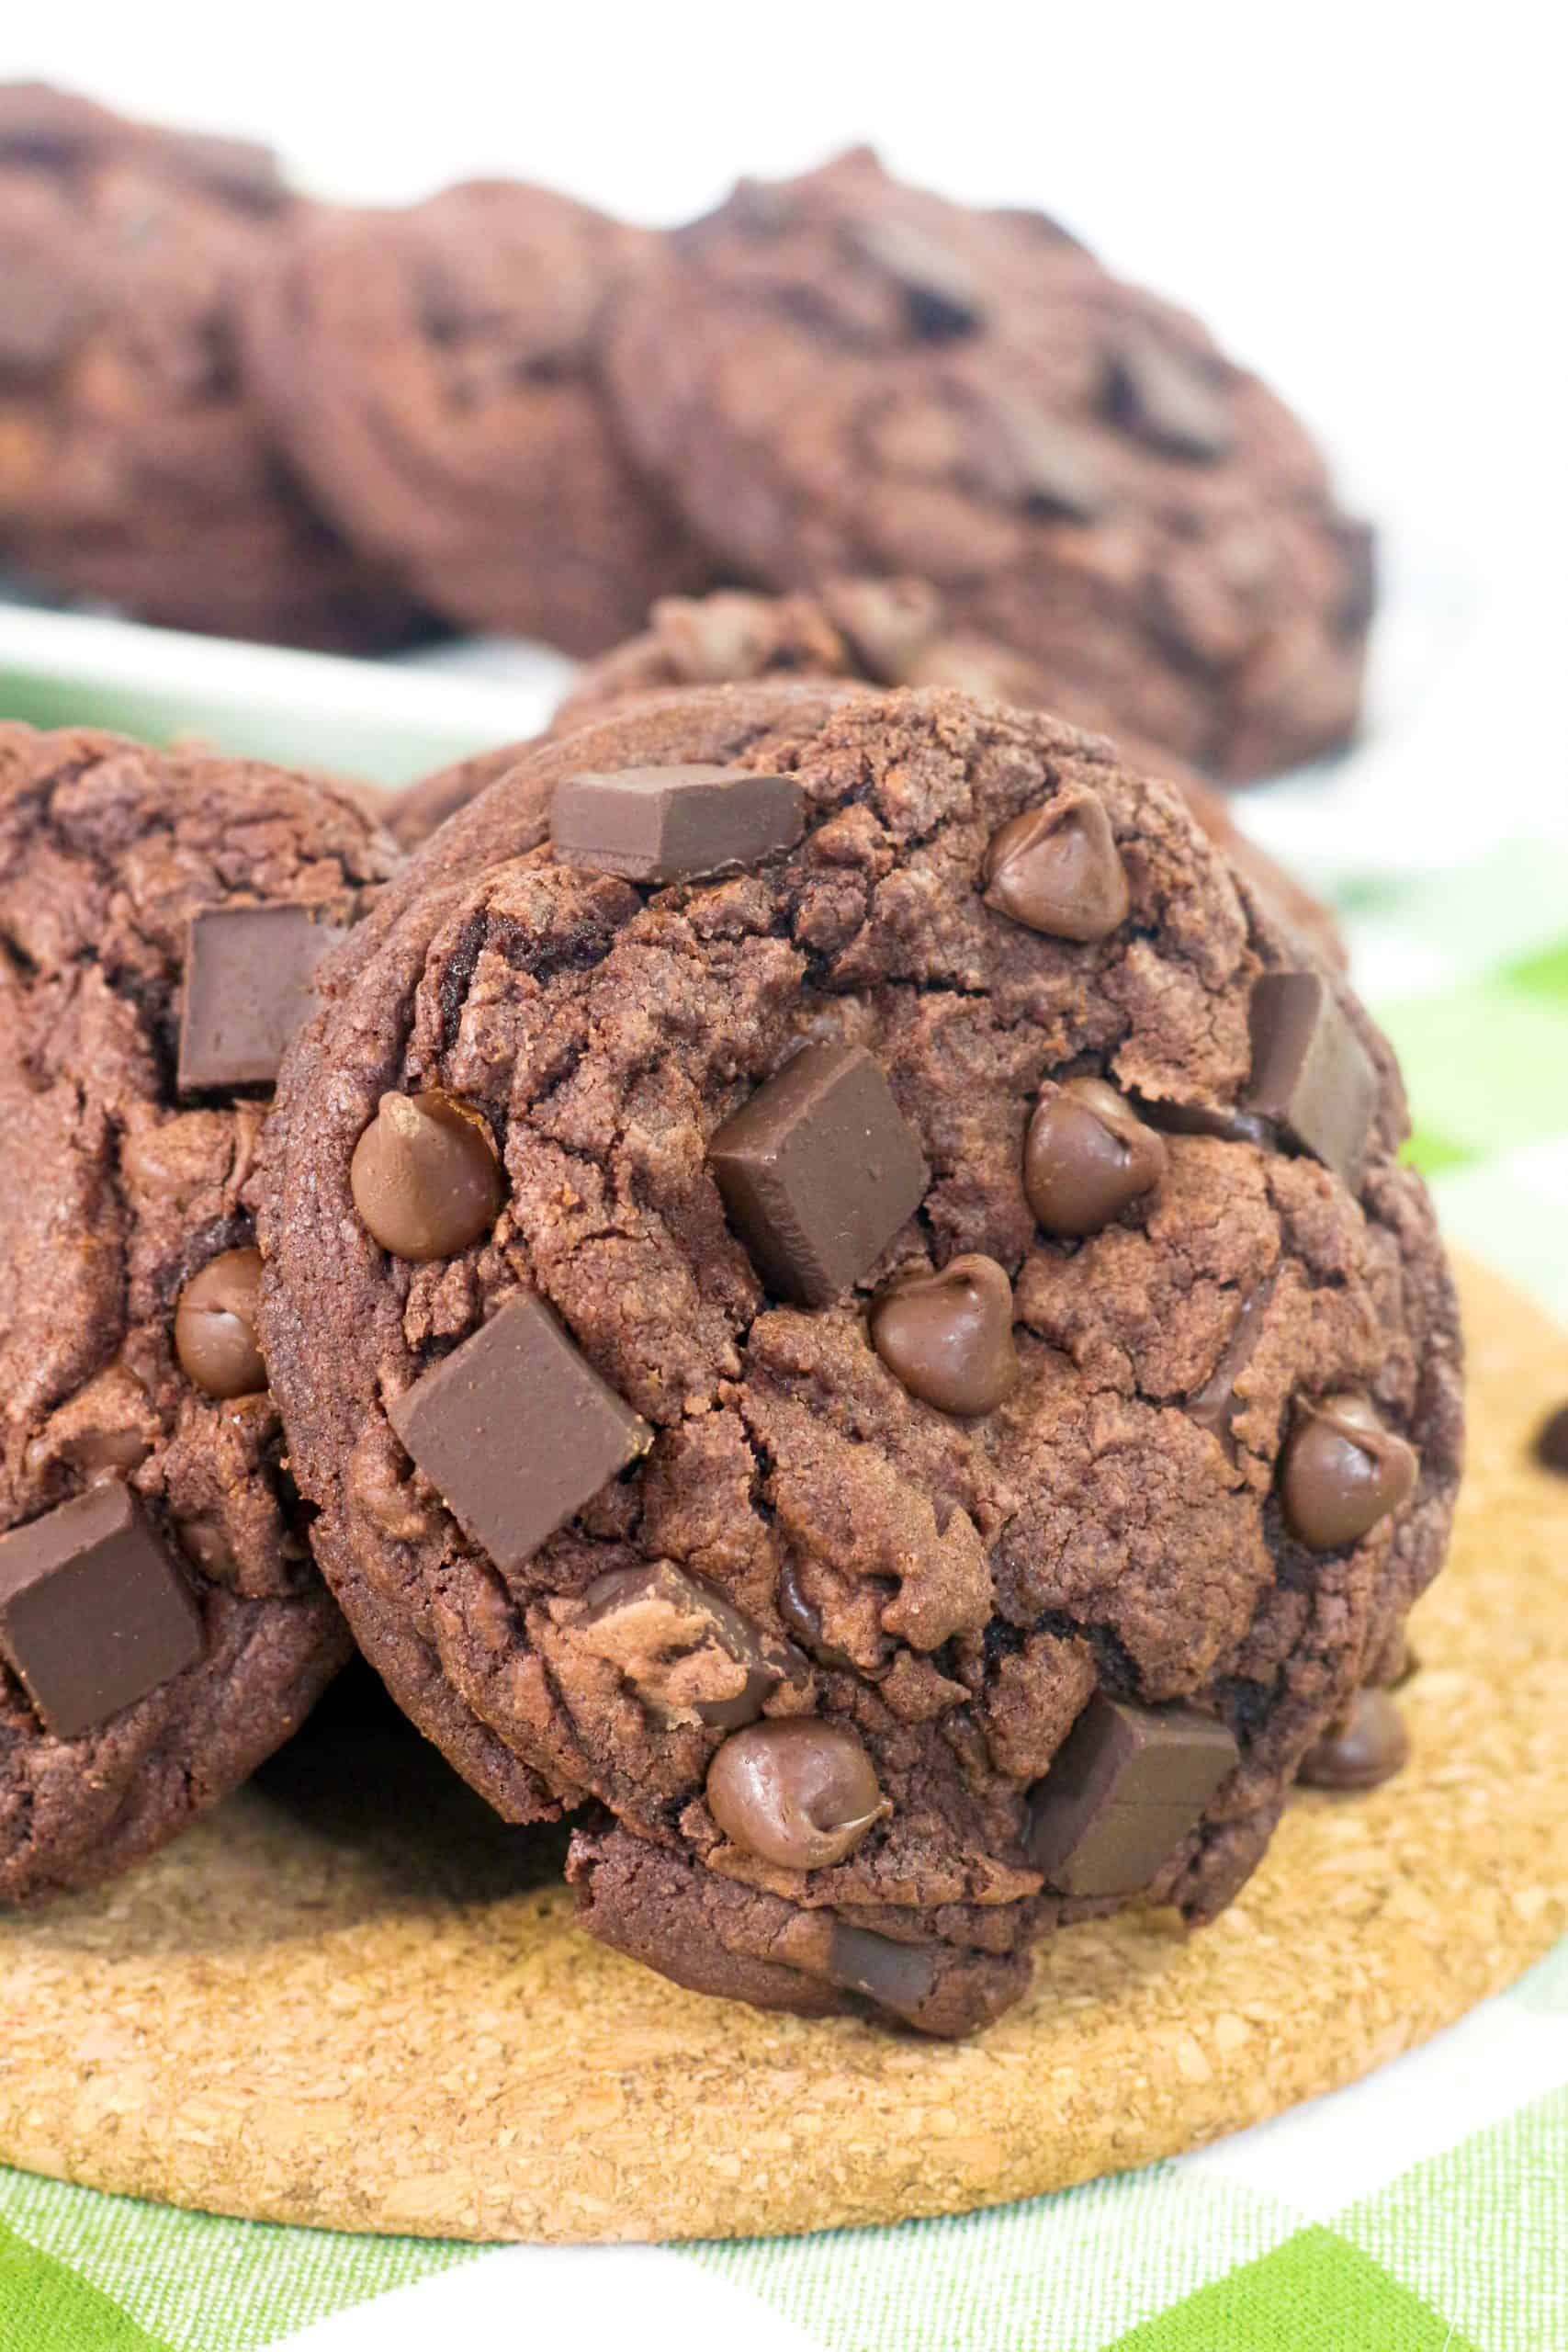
{"type": "Point", "coordinates": [94, 1611]}
{"type": "Point", "coordinates": [669, 824]}
{"type": "Point", "coordinates": [1127, 1786]}
{"type": "Point", "coordinates": [819, 1170]}
{"type": "Point", "coordinates": [248, 974]}
{"type": "Point", "coordinates": [517, 1430]}
{"type": "Point", "coordinates": [1311, 1072]}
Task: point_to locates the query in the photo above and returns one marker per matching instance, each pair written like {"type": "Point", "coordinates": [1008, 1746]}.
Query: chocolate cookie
{"type": "Point", "coordinates": [905, 1368]}
{"type": "Point", "coordinates": [134, 465]}
{"type": "Point", "coordinates": [431, 372]}
{"type": "Point", "coordinates": [162, 1629]}
{"type": "Point", "coordinates": [888, 632]}
{"type": "Point", "coordinates": [840, 374]}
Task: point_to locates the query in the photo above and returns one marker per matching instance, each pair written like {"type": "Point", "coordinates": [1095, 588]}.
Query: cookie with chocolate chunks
{"type": "Point", "coordinates": [161, 1628]}
{"type": "Point", "coordinates": [900, 1574]}
{"type": "Point", "coordinates": [1076, 465]}
{"type": "Point", "coordinates": [431, 373]}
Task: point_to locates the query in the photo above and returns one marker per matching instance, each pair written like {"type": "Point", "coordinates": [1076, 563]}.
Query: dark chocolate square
{"type": "Point", "coordinates": [819, 1170]}
{"type": "Point", "coordinates": [1310, 1073]}
{"type": "Point", "coordinates": [517, 1430]}
{"type": "Point", "coordinates": [94, 1611]}
{"type": "Point", "coordinates": [665, 825]}
{"type": "Point", "coordinates": [1126, 1787]}
{"type": "Point", "coordinates": [248, 974]}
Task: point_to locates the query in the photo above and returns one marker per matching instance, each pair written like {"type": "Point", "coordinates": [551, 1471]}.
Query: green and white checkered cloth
{"type": "Point", "coordinates": [1423, 2211]}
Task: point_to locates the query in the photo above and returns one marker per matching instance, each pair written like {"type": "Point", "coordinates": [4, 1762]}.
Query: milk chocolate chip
{"type": "Point", "coordinates": [1343, 1471]}
{"type": "Point", "coordinates": [1057, 869]}
{"type": "Point", "coordinates": [424, 1176]}
{"type": "Point", "coordinates": [948, 1335]}
{"type": "Point", "coordinates": [1368, 1745]}
{"type": "Point", "coordinates": [800, 1793]}
{"type": "Point", "coordinates": [1087, 1155]}
{"type": "Point", "coordinates": [215, 1326]}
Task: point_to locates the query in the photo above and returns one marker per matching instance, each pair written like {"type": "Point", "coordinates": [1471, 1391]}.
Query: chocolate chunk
{"type": "Point", "coordinates": [1342, 1471]}
{"type": "Point", "coordinates": [516, 1431]}
{"type": "Point", "coordinates": [1550, 1447]}
{"type": "Point", "coordinates": [896, 1976]}
{"type": "Point", "coordinates": [1310, 1073]}
{"type": "Point", "coordinates": [948, 1335]}
{"type": "Point", "coordinates": [214, 1326]}
{"type": "Point", "coordinates": [669, 824]}
{"type": "Point", "coordinates": [94, 1613]}
{"type": "Point", "coordinates": [1057, 869]}
{"type": "Point", "coordinates": [248, 974]}
{"type": "Point", "coordinates": [819, 1170]}
{"type": "Point", "coordinates": [1034, 461]}
{"type": "Point", "coordinates": [1086, 1156]}
{"type": "Point", "coordinates": [1368, 1745]}
{"type": "Point", "coordinates": [800, 1793]}
{"type": "Point", "coordinates": [1214, 1406]}
{"type": "Point", "coordinates": [1166, 401]}
{"type": "Point", "coordinates": [685, 1649]}
{"type": "Point", "coordinates": [424, 1176]}
{"type": "Point", "coordinates": [941, 296]}
{"type": "Point", "coordinates": [1127, 1786]}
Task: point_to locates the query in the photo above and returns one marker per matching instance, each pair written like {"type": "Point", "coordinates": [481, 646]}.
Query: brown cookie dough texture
{"type": "Point", "coordinates": [886, 632]}
{"type": "Point", "coordinates": [134, 465]}
{"type": "Point", "coordinates": [788, 1422]}
{"type": "Point", "coordinates": [838, 373]}
{"type": "Point", "coordinates": [162, 1629]}
{"type": "Point", "coordinates": [431, 372]}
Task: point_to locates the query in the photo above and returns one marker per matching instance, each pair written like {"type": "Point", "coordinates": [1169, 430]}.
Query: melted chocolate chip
{"type": "Point", "coordinates": [214, 1326]}
{"type": "Point", "coordinates": [1342, 1471]}
{"type": "Point", "coordinates": [1086, 1156]}
{"type": "Point", "coordinates": [800, 1793]}
{"type": "Point", "coordinates": [1057, 869]}
{"type": "Point", "coordinates": [424, 1176]}
{"type": "Point", "coordinates": [948, 1335]}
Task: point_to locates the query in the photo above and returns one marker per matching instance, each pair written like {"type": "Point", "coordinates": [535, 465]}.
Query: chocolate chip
{"type": "Point", "coordinates": [819, 1170]}
{"type": "Point", "coordinates": [800, 1793]}
{"type": "Point", "coordinates": [1086, 1156]}
{"type": "Point", "coordinates": [1200, 1119]}
{"type": "Point", "coordinates": [1127, 1786]}
{"type": "Point", "coordinates": [1214, 1406]}
{"type": "Point", "coordinates": [424, 1176]}
{"type": "Point", "coordinates": [1057, 869]}
{"type": "Point", "coordinates": [685, 1648]}
{"type": "Point", "coordinates": [1368, 1745]}
{"type": "Point", "coordinates": [248, 974]}
{"type": "Point", "coordinates": [1342, 1471]}
{"type": "Point", "coordinates": [1034, 461]}
{"type": "Point", "coordinates": [805, 1620]}
{"type": "Point", "coordinates": [942, 296]}
{"type": "Point", "coordinates": [1551, 1448]}
{"type": "Point", "coordinates": [1167, 401]}
{"type": "Point", "coordinates": [669, 824]}
{"type": "Point", "coordinates": [948, 1335]}
{"type": "Point", "coordinates": [1311, 1074]}
{"type": "Point", "coordinates": [94, 1613]}
{"type": "Point", "coordinates": [214, 1326]}
{"type": "Point", "coordinates": [516, 1431]}
{"type": "Point", "coordinates": [896, 1976]}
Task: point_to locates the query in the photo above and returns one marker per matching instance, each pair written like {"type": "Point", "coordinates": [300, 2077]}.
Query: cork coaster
{"type": "Point", "coordinates": [343, 2002]}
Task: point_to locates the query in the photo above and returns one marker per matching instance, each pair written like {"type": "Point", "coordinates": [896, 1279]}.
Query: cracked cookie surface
{"type": "Point", "coordinates": [953, 1588]}
{"type": "Point", "coordinates": [127, 1371]}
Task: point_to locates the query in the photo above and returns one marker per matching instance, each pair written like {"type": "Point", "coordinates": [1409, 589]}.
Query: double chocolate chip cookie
{"type": "Point", "coordinates": [432, 373]}
{"type": "Point", "coordinates": [161, 1628]}
{"type": "Point", "coordinates": [886, 632]}
{"type": "Point", "coordinates": [134, 464]}
{"type": "Point", "coordinates": [842, 375]}
{"type": "Point", "coordinates": [844, 1296]}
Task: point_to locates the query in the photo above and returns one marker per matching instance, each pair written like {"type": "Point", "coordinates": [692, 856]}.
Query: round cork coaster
{"type": "Point", "coordinates": [356, 2000]}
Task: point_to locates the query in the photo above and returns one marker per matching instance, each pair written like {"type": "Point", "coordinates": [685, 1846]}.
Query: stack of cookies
{"type": "Point", "coordinates": [822, 1284]}
{"type": "Point", "coordinates": [224, 406]}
